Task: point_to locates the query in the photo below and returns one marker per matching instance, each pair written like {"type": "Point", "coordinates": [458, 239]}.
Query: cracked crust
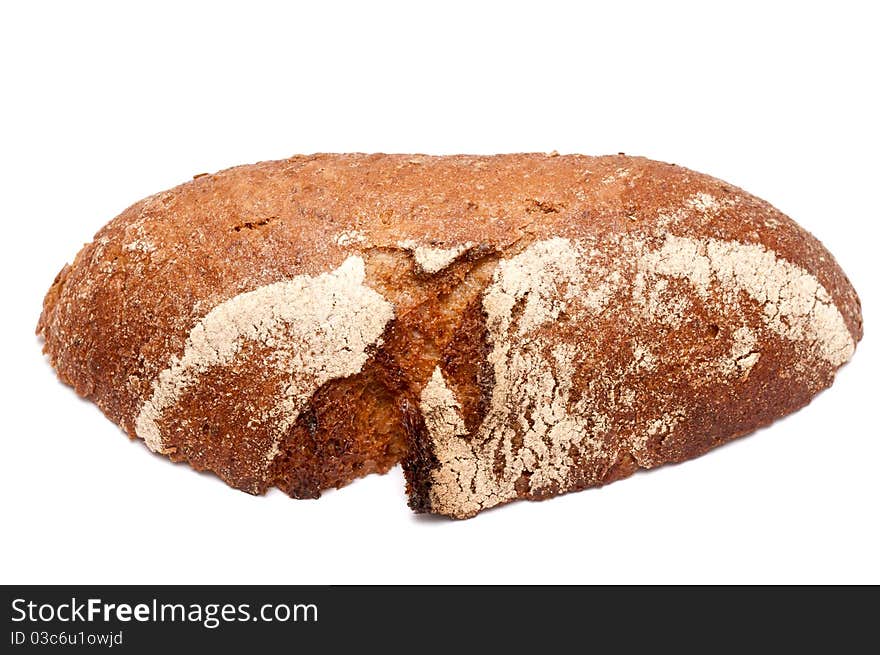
{"type": "Point", "coordinates": [555, 321]}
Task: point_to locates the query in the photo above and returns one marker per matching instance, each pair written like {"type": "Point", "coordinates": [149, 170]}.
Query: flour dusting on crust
{"type": "Point", "coordinates": [533, 375]}
{"type": "Point", "coordinates": [322, 327]}
{"type": "Point", "coordinates": [433, 260]}
{"type": "Point", "coordinates": [795, 305]}
{"type": "Point", "coordinates": [350, 237]}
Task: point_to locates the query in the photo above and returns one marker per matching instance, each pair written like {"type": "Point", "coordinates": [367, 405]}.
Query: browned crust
{"type": "Point", "coordinates": [113, 319]}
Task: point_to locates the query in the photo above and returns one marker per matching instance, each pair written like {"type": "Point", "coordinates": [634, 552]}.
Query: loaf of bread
{"type": "Point", "coordinates": [512, 326]}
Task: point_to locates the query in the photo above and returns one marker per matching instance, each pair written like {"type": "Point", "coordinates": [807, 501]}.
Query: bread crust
{"type": "Point", "coordinates": [512, 326]}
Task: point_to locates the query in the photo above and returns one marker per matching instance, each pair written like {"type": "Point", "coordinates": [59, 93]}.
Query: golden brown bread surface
{"type": "Point", "coordinates": [513, 326]}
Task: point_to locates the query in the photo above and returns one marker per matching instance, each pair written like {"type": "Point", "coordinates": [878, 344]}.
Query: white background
{"type": "Point", "coordinates": [103, 104]}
